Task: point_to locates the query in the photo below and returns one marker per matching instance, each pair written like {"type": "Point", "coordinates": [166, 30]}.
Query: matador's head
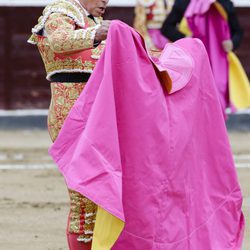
{"type": "Point", "coordinates": [95, 7]}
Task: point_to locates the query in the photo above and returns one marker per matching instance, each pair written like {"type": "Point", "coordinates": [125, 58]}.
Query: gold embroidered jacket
{"type": "Point", "coordinates": [150, 14]}
{"type": "Point", "coordinates": [65, 38]}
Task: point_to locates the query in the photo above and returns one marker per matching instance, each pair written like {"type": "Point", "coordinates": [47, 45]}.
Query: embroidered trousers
{"type": "Point", "coordinates": [82, 213]}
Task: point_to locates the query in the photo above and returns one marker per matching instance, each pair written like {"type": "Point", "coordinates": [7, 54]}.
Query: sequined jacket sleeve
{"type": "Point", "coordinates": [64, 35]}
{"type": "Point", "coordinates": [140, 24]}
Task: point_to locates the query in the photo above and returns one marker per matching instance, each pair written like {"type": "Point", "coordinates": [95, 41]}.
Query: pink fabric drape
{"type": "Point", "coordinates": [160, 162]}
{"type": "Point", "coordinates": [158, 39]}
{"type": "Point", "coordinates": [198, 7]}
{"type": "Point", "coordinates": [212, 29]}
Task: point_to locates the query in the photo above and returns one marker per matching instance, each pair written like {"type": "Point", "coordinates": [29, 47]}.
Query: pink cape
{"type": "Point", "coordinates": [158, 39]}
{"type": "Point", "coordinates": [212, 29]}
{"type": "Point", "coordinates": [198, 7]}
{"type": "Point", "coordinates": [160, 162]}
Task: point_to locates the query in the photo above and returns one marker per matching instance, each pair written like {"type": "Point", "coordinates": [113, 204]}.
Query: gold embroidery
{"type": "Point", "coordinates": [140, 24]}
{"type": "Point", "coordinates": [65, 43]}
{"type": "Point", "coordinates": [33, 39]}
{"type": "Point", "coordinates": [54, 64]}
{"type": "Point", "coordinates": [75, 212]}
{"type": "Point", "coordinates": [88, 65]}
{"type": "Point", "coordinates": [96, 53]}
{"type": "Point", "coordinates": [150, 15]}
{"type": "Point", "coordinates": [63, 7]}
{"type": "Point", "coordinates": [63, 98]}
{"type": "Point", "coordinates": [90, 208]}
{"type": "Point", "coordinates": [66, 64]}
{"type": "Point", "coordinates": [79, 206]}
{"type": "Point", "coordinates": [82, 210]}
{"type": "Point", "coordinates": [63, 35]}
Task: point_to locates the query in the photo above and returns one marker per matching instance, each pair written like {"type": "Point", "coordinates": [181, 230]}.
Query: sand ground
{"type": "Point", "coordinates": [34, 202]}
